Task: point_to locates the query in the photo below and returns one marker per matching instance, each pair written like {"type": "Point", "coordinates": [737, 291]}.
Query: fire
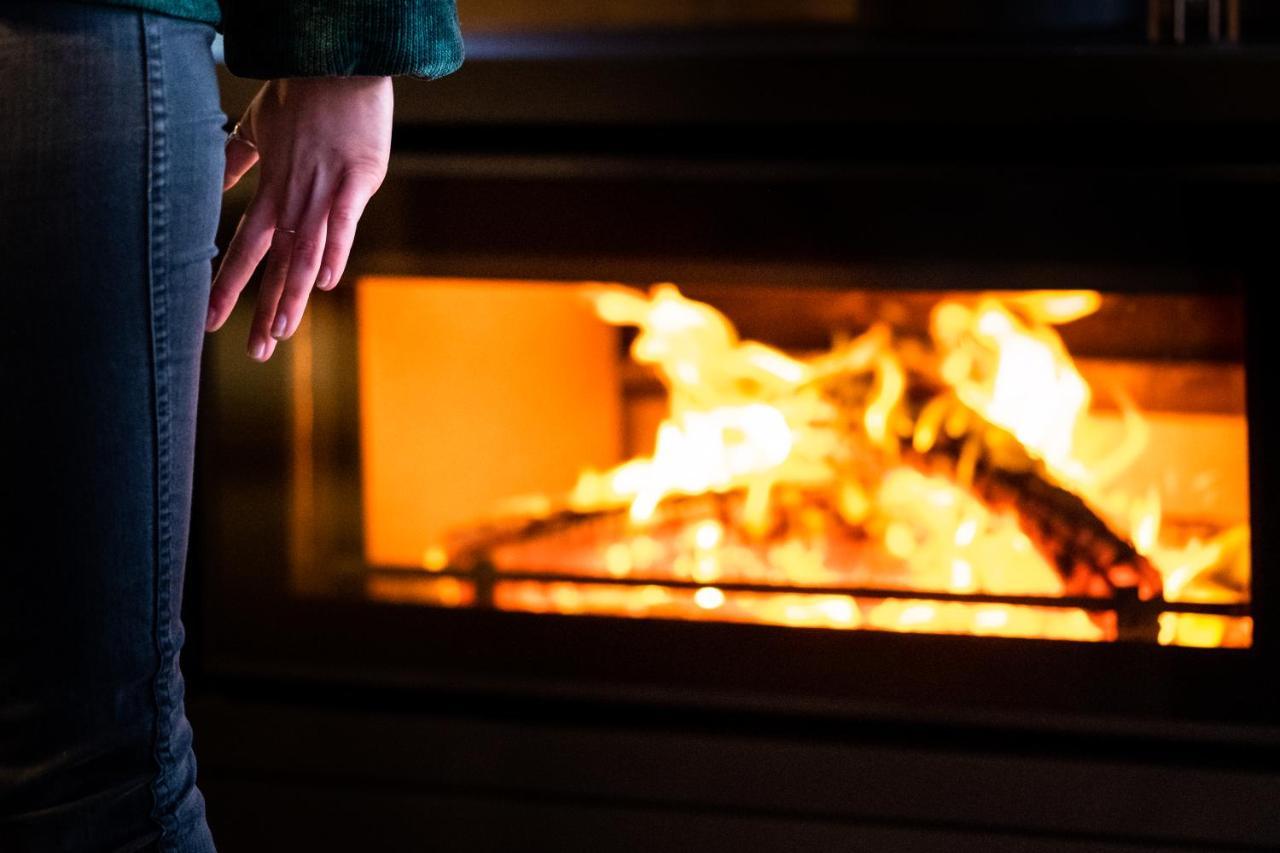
{"type": "Point", "coordinates": [729, 419]}
{"type": "Point", "coordinates": [891, 461]}
{"type": "Point", "coordinates": [1016, 373]}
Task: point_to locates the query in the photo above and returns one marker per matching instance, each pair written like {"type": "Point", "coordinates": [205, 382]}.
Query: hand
{"type": "Point", "coordinates": [323, 143]}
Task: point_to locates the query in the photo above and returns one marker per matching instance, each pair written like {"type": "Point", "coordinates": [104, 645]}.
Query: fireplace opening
{"type": "Point", "coordinates": [1061, 465]}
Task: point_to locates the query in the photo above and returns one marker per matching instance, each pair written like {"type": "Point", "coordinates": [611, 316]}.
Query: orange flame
{"type": "Point", "coordinates": [748, 418]}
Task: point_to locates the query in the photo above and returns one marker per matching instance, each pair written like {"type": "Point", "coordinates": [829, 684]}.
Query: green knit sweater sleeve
{"type": "Point", "coordinates": [341, 38]}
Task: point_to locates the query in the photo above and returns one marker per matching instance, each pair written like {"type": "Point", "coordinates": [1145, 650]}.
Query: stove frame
{"type": "Point", "coordinates": [1008, 192]}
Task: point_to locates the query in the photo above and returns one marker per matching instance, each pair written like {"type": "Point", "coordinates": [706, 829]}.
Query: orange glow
{"type": "Point", "coordinates": [891, 461]}
{"type": "Point", "coordinates": [466, 399]}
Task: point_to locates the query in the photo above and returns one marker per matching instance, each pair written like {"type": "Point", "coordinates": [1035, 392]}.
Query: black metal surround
{"type": "Point", "coordinates": [834, 165]}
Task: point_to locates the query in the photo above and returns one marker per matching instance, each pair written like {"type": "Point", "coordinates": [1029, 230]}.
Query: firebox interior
{"type": "Point", "coordinates": [1053, 465]}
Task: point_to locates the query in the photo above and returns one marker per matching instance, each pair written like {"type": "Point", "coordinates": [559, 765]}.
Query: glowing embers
{"type": "Point", "coordinates": [952, 480]}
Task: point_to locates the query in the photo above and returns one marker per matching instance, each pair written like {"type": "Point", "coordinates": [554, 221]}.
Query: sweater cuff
{"type": "Point", "coordinates": [270, 39]}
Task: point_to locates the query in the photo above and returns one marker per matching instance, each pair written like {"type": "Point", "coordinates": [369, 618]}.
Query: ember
{"type": "Point", "coordinates": [957, 481]}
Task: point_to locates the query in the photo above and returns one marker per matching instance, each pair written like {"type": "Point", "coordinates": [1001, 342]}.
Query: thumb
{"type": "Point", "coordinates": [241, 155]}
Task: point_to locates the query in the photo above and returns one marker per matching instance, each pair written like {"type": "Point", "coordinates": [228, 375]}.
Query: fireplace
{"type": "Point", "coordinates": [821, 428]}
{"type": "Point", "coordinates": [809, 474]}
{"type": "Point", "coordinates": [789, 400]}
{"type": "Point", "coordinates": [944, 467]}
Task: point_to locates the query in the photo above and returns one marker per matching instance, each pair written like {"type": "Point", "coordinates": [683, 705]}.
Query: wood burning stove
{"type": "Point", "coordinates": [1098, 220]}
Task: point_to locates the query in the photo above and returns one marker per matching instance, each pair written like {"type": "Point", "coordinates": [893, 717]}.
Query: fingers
{"type": "Point", "coordinates": [304, 263]}
{"type": "Point", "coordinates": [246, 250]}
{"type": "Point", "coordinates": [292, 263]}
{"type": "Point", "coordinates": [241, 155]}
{"type": "Point", "coordinates": [349, 203]}
{"type": "Point", "coordinates": [306, 240]}
{"type": "Point", "coordinates": [261, 344]}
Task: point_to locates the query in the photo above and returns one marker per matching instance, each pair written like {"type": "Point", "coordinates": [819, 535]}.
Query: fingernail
{"type": "Point", "coordinates": [324, 281]}
{"type": "Point", "coordinates": [282, 322]}
{"type": "Point", "coordinates": [208, 320]}
{"type": "Point", "coordinates": [259, 351]}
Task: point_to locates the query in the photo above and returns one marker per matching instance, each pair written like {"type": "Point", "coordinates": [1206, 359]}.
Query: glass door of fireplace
{"type": "Point", "coordinates": [1056, 465]}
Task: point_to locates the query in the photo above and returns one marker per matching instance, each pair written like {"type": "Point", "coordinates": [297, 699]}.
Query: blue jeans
{"type": "Point", "coordinates": [111, 157]}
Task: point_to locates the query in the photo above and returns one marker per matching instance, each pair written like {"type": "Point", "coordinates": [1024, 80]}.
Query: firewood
{"type": "Point", "coordinates": [1092, 558]}
{"type": "Point", "coordinates": [996, 468]}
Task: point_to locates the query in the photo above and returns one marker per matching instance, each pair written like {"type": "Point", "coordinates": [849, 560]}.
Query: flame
{"type": "Point", "coordinates": [1055, 307]}
{"type": "Point", "coordinates": [758, 427]}
{"type": "Point", "coordinates": [890, 383]}
{"type": "Point", "coordinates": [1016, 374]}
{"type": "Point", "coordinates": [709, 598]}
{"type": "Point", "coordinates": [733, 411]}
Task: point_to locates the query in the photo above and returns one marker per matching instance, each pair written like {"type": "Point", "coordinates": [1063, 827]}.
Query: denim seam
{"type": "Point", "coordinates": [157, 227]}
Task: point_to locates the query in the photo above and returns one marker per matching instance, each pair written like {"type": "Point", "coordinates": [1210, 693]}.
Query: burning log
{"type": "Point", "coordinates": [1092, 558]}
{"type": "Point", "coordinates": [932, 430]}
{"type": "Point", "coordinates": [747, 418]}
